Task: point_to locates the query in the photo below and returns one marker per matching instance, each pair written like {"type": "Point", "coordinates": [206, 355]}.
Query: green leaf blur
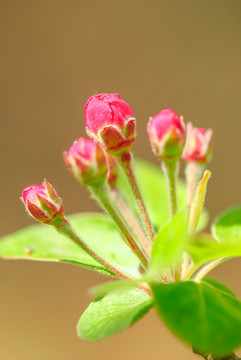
{"type": "Point", "coordinates": [227, 227]}
{"type": "Point", "coordinates": [204, 248]}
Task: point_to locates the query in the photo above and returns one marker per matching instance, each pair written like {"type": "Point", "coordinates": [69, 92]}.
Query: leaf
{"type": "Point", "coordinates": [227, 227]}
{"type": "Point", "coordinates": [205, 314]}
{"type": "Point", "coordinates": [154, 191]}
{"type": "Point", "coordinates": [114, 312]}
{"type": "Point", "coordinates": [205, 248]}
{"type": "Point", "coordinates": [104, 288]}
{"type": "Point", "coordinates": [43, 242]}
{"type": "Point", "coordinates": [169, 243]}
{"type": "Point", "coordinates": [220, 286]}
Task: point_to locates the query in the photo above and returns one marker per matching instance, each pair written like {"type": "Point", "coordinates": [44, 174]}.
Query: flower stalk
{"type": "Point", "coordinates": [65, 229]}
{"type": "Point", "coordinates": [126, 211]}
{"type": "Point", "coordinates": [132, 221]}
{"type": "Point", "coordinates": [102, 195]}
{"type": "Point", "coordinates": [170, 170]}
{"type": "Point", "coordinates": [125, 162]}
{"type": "Point", "coordinates": [231, 356]}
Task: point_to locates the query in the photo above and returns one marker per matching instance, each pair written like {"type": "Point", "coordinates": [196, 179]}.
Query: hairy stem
{"type": "Point", "coordinates": [125, 162]}
{"type": "Point", "coordinates": [232, 356]}
{"type": "Point", "coordinates": [131, 219]}
{"type": "Point", "coordinates": [201, 273]}
{"type": "Point", "coordinates": [170, 171]}
{"type": "Point", "coordinates": [101, 193]}
{"type": "Point", "coordinates": [65, 229]}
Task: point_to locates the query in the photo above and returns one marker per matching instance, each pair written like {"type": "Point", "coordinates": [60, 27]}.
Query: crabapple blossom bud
{"type": "Point", "coordinates": [166, 132]}
{"type": "Point", "coordinates": [110, 121]}
{"type": "Point", "coordinates": [198, 144]}
{"type": "Point", "coordinates": [43, 203]}
{"type": "Point", "coordinates": [86, 161]}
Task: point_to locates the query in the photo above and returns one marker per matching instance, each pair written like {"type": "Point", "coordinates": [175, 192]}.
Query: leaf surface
{"type": "Point", "coordinates": [205, 248]}
{"type": "Point", "coordinates": [227, 227]}
{"type": "Point", "coordinates": [112, 313]}
{"type": "Point", "coordinates": [169, 243]}
{"type": "Point", "coordinates": [43, 242]}
{"type": "Point", "coordinates": [204, 314]}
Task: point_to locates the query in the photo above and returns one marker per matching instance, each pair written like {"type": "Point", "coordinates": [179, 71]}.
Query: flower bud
{"type": "Point", "coordinates": [43, 203]}
{"type": "Point", "coordinates": [166, 132]}
{"type": "Point", "coordinates": [110, 121]}
{"type": "Point", "coordinates": [86, 161]}
{"type": "Point", "coordinates": [198, 144]}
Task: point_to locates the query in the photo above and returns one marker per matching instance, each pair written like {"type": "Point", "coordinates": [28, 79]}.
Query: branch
{"type": "Point", "coordinates": [211, 357]}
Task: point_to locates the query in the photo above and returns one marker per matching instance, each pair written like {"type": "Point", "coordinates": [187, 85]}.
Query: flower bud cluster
{"type": "Point", "coordinates": [110, 124]}
{"type": "Point", "coordinates": [166, 132]}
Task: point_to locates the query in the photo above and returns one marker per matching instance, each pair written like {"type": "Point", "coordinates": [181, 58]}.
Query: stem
{"type": "Point", "coordinates": [193, 172]}
{"type": "Point", "coordinates": [102, 194]}
{"type": "Point", "coordinates": [170, 170]}
{"type": "Point", "coordinates": [200, 274]}
{"type": "Point", "coordinates": [125, 162]}
{"type": "Point", "coordinates": [65, 229]}
{"type": "Point", "coordinates": [130, 218]}
{"type": "Point", "coordinates": [198, 202]}
{"type": "Point", "coordinates": [232, 356]}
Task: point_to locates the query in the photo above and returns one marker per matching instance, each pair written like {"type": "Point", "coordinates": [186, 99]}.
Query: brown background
{"type": "Point", "coordinates": [54, 55]}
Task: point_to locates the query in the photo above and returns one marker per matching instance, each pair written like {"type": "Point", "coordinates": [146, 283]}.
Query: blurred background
{"type": "Point", "coordinates": [54, 55]}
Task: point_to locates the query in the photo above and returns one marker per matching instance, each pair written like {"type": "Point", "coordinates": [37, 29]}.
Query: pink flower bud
{"type": "Point", "coordinates": [110, 121]}
{"type": "Point", "coordinates": [166, 132]}
{"type": "Point", "coordinates": [43, 203]}
{"type": "Point", "coordinates": [86, 161]}
{"type": "Point", "coordinates": [198, 144]}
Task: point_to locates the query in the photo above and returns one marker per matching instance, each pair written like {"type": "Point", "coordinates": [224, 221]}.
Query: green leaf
{"type": "Point", "coordinates": [227, 227]}
{"type": "Point", "coordinates": [169, 243]}
{"type": "Point", "coordinates": [204, 314]}
{"type": "Point", "coordinates": [114, 312]}
{"type": "Point", "coordinates": [154, 191]}
{"type": "Point", "coordinates": [104, 288]}
{"type": "Point", "coordinates": [205, 248]}
{"type": "Point", "coordinates": [43, 242]}
{"type": "Point", "coordinates": [220, 286]}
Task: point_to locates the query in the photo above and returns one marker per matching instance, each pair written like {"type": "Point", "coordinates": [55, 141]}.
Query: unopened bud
{"type": "Point", "coordinates": [166, 132]}
{"type": "Point", "coordinates": [86, 161]}
{"type": "Point", "coordinates": [198, 147]}
{"type": "Point", "coordinates": [43, 203]}
{"type": "Point", "coordinates": [110, 121]}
